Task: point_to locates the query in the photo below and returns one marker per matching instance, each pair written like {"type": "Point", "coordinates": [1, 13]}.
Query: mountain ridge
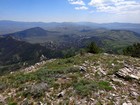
{"type": "Point", "coordinates": [14, 26]}
{"type": "Point", "coordinates": [77, 37]}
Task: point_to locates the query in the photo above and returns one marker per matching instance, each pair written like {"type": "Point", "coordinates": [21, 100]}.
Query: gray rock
{"type": "Point", "coordinates": [129, 72]}
{"type": "Point", "coordinates": [61, 94]}
{"type": "Point", "coordinates": [2, 100]}
{"type": "Point", "coordinates": [127, 103]}
{"type": "Point", "coordinates": [82, 69]}
{"type": "Point", "coordinates": [134, 94]}
{"type": "Point", "coordinates": [25, 102]}
{"type": "Point", "coordinates": [36, 90]}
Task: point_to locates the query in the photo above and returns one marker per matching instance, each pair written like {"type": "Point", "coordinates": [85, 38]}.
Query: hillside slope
{"type": "Point", "coordinates": [62, 38]}
{"type": "Point", "coordinates": [101, 79]}
{"type": "Point", "coordinates": [15, 53]}
{"type": "Point", "coordinates": [33, 35]}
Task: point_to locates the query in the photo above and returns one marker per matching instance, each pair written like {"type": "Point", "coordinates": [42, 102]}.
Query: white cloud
{"type": "Point", "coordinates": [110, 10]}
{"type": "Point", "coordinates": [116, 6]}
{"type": "Point", "coordinates": [81, 8]}
{"type": "Point", "coordinates": [76, 2]}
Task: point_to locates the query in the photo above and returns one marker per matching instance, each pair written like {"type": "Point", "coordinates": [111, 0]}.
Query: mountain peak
{"type": "Point", "coordinates": [37, 28]}
{"type": "Point", "coordinates": [28, 33]}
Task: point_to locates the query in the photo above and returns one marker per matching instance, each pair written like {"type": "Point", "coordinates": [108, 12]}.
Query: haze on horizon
{"type": "Point", "coordinates": [99, 11]}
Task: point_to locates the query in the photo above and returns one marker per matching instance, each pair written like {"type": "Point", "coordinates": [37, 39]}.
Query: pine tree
{"type": "Point", "coordinates": [93, 48]}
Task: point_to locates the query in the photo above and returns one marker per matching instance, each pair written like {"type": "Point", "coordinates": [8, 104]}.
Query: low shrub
{"type": "Point", "coordinates": [86, 87]}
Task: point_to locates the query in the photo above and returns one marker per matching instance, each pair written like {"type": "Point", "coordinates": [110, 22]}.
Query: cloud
{"type": "Point", "coordinates": [81, 8]}
{"type": "Point", "coordinates": [79, 2]}
{"type": "Point", "coordinates": [76, 2]}
{"type": "Point", "coordinates": [116, 6]}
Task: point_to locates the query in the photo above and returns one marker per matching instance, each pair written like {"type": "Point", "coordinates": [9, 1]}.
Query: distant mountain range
{"type": "Point", "coordinates": [14, 26]}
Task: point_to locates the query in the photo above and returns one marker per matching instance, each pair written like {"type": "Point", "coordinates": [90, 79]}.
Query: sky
{"type": "Point", "coordinates": [99, 11]}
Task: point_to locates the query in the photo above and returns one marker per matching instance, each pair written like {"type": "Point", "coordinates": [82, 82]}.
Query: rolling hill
{"type": "Point", "coordinates": [78, 38]}
{"type": "Point", "coordinates": [32, 35]}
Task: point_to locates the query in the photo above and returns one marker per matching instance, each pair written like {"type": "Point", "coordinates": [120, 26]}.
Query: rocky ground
{"type": "Point", "coordinates": [89, 79]}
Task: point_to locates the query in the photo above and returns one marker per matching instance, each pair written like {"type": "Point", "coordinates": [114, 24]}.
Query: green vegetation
{"type": "Point", "coordinates": [104, 85]}
{"type": "Point", "coordinates": [82, 72]}
{"type": "Point", "coordinates": [133, 50]}
{"type": "Point", "coordinates": [85, 87]}
{"type": "Point", "coordinates": [15, 54]}
{"type": "Point", "coordinates": [93, 48]}
{"type": "Point", "coordinates": [69, 53]}
{"type": "Point", "coordinates": [64, 74]}
{"type": "Point", "coordinates": [12, 103]}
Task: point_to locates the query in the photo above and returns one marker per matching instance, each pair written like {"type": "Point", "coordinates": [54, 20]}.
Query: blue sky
{"type": "Point", "coordinates": [99, 11]}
